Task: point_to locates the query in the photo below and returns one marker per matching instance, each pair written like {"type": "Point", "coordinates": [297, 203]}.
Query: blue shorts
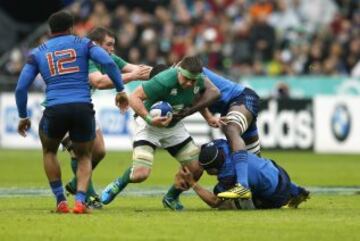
{"type": "Point", "coordinates": [76, 118]}
{"type": "Point", "coordinates": [249, 98]}
{"type": "Point", "coordinates": [282, 193]}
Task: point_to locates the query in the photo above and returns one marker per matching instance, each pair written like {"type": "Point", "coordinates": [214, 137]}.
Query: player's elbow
{"type": "Point", "coordinates": [20, 92]}
{"type": "Point", "coordinates": [215, 93]}
{"type": "Point", "coordinates": [108, 63]}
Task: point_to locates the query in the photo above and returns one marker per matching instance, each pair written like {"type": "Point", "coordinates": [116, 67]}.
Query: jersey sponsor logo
{"type": "Point", "coordinates": [196, 89]}
{"type": "Point", "coordinates": [173, 91]}
{"type": "Point", "coordinates": [178, 108]}
{"type": "Point", "coordinates": [57, 67]}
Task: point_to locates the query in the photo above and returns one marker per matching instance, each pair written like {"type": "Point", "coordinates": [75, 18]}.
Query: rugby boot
{"type": "Point", "coordinates": [80, 208]}
{"type": "Point", "coordinates": [295, 201]}
{"type": "Point", "coordinates": [94, 202]}
{"type": "Point", "coordinates": [63, 207]}
{"type": "Point", "coordinates": [109, 193]}
{"type": "Point", "coordinates": [173, 204]}
{"type": "Point", "coordinates": [238, 191]}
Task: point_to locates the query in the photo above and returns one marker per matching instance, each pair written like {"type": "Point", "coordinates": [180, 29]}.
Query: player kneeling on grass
{"type": "Point", "coordinates": [270, 184]}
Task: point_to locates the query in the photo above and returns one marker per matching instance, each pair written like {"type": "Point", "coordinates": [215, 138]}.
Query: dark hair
{"type": "Point", "coordinates": [60, 21]}
{"type": "Point", "coordinates": [192, 64]}
{"type": "Point", "coordinates": [157, 69]}
{"type": "Point", "coordinates": [98, 34]}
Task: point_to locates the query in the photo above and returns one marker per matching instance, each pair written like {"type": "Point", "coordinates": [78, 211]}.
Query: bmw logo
{"type": "Point", "coordinates": [341, 122]}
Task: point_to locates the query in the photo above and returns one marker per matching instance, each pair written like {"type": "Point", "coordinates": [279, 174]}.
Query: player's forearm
{"type": "Point", "coordinates": [128, 77]}
{"type": "Point", "coordinates": [136, 102]}
{"type": "Point", "coordinates": [100, 56]}
{"type": "Point", "coordinates": [114, 74]}
{"type": "Point", "coordinates": [206, 113]}
{"type": "Point", "coordinates": [207, 98]}
{"type": "Point", "coordinates": [208, 197]}
{"type": "Point", "coordinates": [21, 92]}
{"type": "Point", "coordinates": [100, 81]}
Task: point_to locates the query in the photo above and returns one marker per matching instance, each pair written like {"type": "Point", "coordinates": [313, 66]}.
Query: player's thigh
{"type": "Point", "coordinates": [98, 151]}
{"type": "Point", "coordinates": [144, 132]}
{"type": "Point", "coordinates": [82, 123]}
{"type": "Point", "coordinates": [244, 109]}
{"type": "Point", "coordinates": [55, 122]}
{"type": "Point", "coordinates": [49, 145]}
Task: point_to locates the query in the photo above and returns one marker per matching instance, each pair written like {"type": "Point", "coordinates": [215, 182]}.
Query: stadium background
{"type": "Point", "coordinates": [301, 56]}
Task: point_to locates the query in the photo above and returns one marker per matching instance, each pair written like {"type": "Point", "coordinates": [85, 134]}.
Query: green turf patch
{"type": "Point", "coordinates": [325, 217]}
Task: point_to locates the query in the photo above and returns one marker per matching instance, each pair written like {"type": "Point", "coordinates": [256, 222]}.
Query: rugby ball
{"type": "Point", "coordinates": [161, 108]}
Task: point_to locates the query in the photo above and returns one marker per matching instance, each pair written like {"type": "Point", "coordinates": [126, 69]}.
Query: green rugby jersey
{"type": "Point", "coordinates": [93, 67]}
{"type": "Point", "coordinates": [165, 87]}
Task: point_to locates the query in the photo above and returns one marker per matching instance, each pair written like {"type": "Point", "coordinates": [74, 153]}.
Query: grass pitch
{"type": "Point", "coordinates": [324, 217]}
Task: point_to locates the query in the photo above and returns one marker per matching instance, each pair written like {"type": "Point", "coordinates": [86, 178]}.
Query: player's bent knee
{"type": "Point", "coordinates": [139, 174]}
{"type": "Point", "coordinates": [236, 120]}
{"type": "Point", "coordinates": [98, 155]}
{"type": "Point", "coordinates": [188, 153]}
{"type": "Point", "coordinates": [143, 157]}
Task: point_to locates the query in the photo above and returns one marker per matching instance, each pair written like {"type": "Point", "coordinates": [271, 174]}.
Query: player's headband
{"type": "Point", "coordinates": [188, 74]}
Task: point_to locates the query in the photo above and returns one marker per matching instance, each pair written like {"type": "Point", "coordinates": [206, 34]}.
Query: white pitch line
{"type": "Point", "coordinates": [159, 191]}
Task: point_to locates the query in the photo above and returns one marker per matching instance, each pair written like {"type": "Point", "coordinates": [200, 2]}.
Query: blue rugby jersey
{"type": "Point", "coordinates": [227, 88]}
{"type": "Point", "coordinates": [63, 63]}
{"type": "Point", "coordinates": [262, 174]}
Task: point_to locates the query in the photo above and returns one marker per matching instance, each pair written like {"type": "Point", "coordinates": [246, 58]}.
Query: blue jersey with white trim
{"type": "Point", "coordinates": [262, 173]}
{"type": "Point", "coordinates": [227, 88]}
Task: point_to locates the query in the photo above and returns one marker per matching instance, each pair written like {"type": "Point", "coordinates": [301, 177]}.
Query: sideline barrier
{"type": "Point", "coordinates": [322, 124]}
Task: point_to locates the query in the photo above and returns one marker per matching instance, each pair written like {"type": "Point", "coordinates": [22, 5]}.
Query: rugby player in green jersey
{"type": "Point", "coordinates": [180, 87]}
{"type": "Point", "coordinates": [99, 80]}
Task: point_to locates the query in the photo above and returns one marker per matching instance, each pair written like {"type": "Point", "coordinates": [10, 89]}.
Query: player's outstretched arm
{"type": "Point", "coordinates": [100, 56]}
{"type": "Point", "coordinates": [208, 197]}
{"type": "Point", "coordinates": [207, 97]}
{"type": "Point", "coordinates": [130, 72]}
{"type": "Point", "coordinates": [26, 78]}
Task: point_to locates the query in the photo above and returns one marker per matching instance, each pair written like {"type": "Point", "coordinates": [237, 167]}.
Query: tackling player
{"type": "Point", "coordinates": [270, 184]}
{"type": "Point", "coordinates": [178, 86]}
{"type": "Point", "coordinates": [63, 63]}
{"type": "Point", "coordinates": [238, 107]}
{"type": "Point", "coordinates": [100, 80]}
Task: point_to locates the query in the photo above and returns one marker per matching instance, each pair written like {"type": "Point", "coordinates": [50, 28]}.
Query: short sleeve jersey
{"type": "Point", "coordinates": [165, 87]}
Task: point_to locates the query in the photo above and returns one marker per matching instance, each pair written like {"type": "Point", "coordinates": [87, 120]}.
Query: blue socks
{"type": "Point", "coordinates": [239, 159]}
{"type": "Point", "coordinates": [80, 196]}
{"type": "Point", "coordinates": [57, 189]}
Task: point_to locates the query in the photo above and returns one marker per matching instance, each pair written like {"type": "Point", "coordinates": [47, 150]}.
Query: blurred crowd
{"type": "Point", "coordinates": [235, 37]}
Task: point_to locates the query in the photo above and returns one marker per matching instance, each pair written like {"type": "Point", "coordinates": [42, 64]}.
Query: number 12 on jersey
{"type": "Point", "coordinates": [66, 56]}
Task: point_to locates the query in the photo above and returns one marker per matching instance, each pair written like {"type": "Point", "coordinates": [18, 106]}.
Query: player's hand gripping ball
{"type": "Point", "coordinates": [161, 108]}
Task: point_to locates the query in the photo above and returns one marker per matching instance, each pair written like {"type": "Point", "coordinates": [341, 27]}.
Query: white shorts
{"type": "Point", "coordinates": [161, 137]}
{"type": "Point", "coordinates": [97, 124]}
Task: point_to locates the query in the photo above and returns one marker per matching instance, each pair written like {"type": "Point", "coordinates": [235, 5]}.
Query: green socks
{"type": "Point", "coordinates": [124, 180]}
{"type": "Point", "coordinates": [173, 192]}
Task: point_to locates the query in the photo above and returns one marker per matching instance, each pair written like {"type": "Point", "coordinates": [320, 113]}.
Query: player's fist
{"type": "Point", "coordinates": [122, 101]}
{"type": "Point", "coordinates": [23, 126]}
